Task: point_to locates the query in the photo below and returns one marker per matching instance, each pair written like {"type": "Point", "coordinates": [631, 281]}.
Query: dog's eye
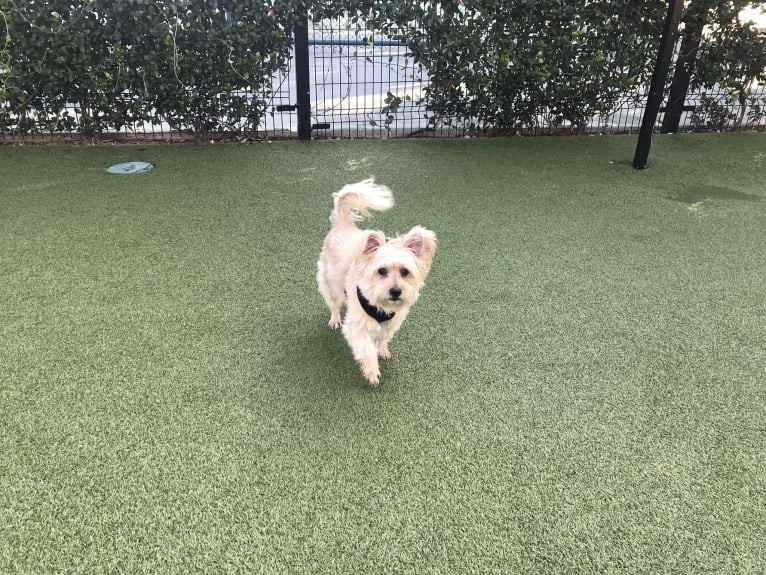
{"type": "Point", "coordinates": [404, 272]}
{"type": "Point", "coordinates": [383, 272]}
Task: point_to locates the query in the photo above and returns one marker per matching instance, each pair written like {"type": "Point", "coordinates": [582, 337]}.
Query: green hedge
{"type": "Point", "coordinates": [510, 65]}
{"type": "Point", "coordinates": [205, 66]}
{"type": "Point", "coordinates": [200, 65]}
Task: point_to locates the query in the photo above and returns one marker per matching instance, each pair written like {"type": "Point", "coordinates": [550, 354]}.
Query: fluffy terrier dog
{"type": "Point", "coordinates": [379, 279]}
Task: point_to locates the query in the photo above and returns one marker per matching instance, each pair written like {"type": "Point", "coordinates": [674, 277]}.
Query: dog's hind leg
{"type": "Point", "coordinates": [335, 305]}
{"type": "Point", "coordinates": [332, 298]}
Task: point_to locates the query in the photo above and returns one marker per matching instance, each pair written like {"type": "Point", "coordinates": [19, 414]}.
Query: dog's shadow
{"type": "Point", "coordinates": [327, 363]}
{"type": "Point", "coordinates": [318, 357]}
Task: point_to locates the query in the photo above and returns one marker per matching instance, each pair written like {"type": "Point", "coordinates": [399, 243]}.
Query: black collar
{"type": "Point", "coordinates": [374, 312]}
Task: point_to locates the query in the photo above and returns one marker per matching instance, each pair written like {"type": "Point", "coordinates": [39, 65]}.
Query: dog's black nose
{"type": "Point", "coordinates": [395, 292]}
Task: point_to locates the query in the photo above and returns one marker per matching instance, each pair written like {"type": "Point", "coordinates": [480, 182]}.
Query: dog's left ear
{"type": "Point", "coordinates": [422, 243]}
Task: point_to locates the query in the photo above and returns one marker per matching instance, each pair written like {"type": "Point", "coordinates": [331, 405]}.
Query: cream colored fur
{"type": "Point", "coordinates": [388, 272]}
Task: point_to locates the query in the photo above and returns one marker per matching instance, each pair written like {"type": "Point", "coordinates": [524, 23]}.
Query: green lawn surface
{"type": "Point", "coordinates": [580, 388]}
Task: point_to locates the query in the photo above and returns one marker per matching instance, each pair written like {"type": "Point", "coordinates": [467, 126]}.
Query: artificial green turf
{"type": "Point", "coordinates": [580, 388]}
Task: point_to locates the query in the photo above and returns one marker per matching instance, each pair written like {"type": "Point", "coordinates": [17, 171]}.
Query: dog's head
{"type": "Point", "coordinates": [393, 271]}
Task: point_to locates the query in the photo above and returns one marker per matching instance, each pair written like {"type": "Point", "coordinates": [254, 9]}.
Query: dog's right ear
{"type": "Point", "coordinates": [373, 242]}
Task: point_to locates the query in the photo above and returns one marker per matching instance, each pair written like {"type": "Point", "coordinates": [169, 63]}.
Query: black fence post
{"type": "Point", "coordinates": [679, 86]}
{"type": "Point", "coordinates": [302, 78]}
{"type": "Point", "coordinates": [657, 88]}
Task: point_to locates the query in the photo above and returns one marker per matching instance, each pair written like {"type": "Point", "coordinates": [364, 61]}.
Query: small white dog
{"type": "Point", "coordinates": [379, 279]}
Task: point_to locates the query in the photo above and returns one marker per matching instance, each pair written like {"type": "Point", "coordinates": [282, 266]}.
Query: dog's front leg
{"type": "Point", "coordinates": [365, 352]}
{"type": "Point", "coordinates": [387, 332]}
{"type": "Point", "coordinates": [382, 346]}
{"type": "Point", "coordinates": [367, 356]}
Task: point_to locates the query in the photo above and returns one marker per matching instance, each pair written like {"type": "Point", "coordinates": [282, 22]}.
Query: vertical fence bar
{"type": "Point", "coordinates": [302, 78]}
{"type": "Point", "coordinates": [679, 86]}
{"type": "Point", "coordinates": [654, 99]}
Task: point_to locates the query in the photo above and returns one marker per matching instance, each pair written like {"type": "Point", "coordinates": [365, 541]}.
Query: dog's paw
{"type": "Point", "coordinates": [372, 376]}
{"type": "Point", "coordinates": [334, 322]}
{"type": "Point", "coordinates": [384, 354]}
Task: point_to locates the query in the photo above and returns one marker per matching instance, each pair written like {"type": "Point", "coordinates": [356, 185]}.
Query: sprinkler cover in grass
{"type": "Point", "coordinates": [129, 168]}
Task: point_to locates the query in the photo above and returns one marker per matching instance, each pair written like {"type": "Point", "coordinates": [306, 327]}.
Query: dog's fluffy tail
{"type": "Point", "coordinates": [355, 202]}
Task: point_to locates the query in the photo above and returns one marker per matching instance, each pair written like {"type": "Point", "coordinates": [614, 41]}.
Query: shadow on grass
{"type": "Point", "coordinates": [694, 193]}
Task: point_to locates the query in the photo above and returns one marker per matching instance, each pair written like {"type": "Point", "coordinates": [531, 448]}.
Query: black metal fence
{"type": "Point", "coordinates": [343, 83]}
{"type": "Point", "coordinates": [364, 87]}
